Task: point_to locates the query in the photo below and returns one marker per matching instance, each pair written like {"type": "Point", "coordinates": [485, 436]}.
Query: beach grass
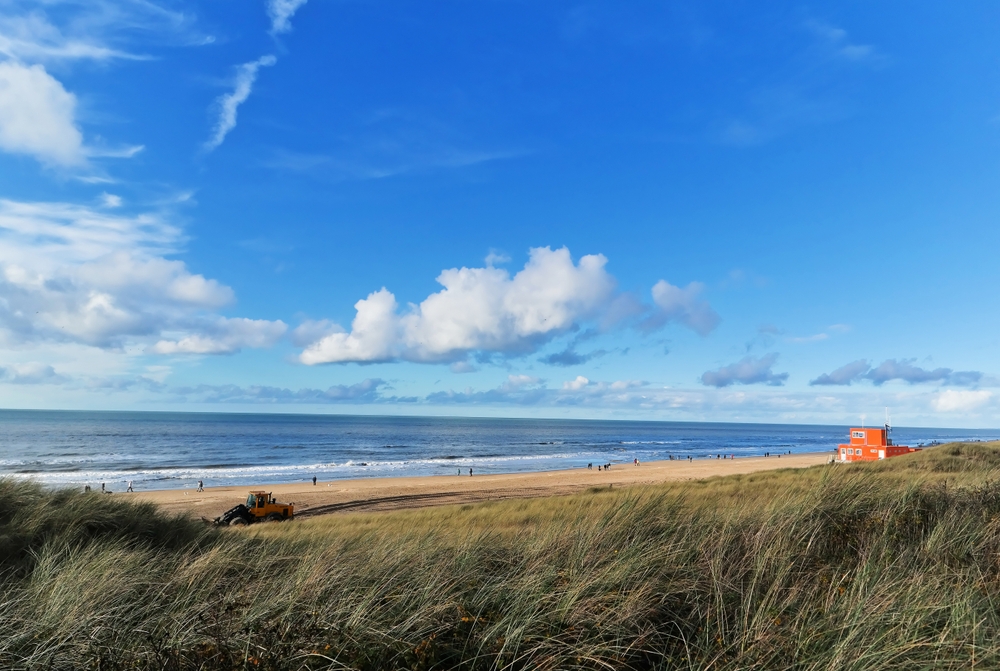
{"type": "Point", "coordinates": [885, 565]}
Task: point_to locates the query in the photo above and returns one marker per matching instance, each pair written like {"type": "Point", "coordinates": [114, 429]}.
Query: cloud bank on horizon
{"type": "Point", "coordinates": [318, 246]}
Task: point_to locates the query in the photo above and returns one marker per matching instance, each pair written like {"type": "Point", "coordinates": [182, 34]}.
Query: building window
{"type": "Point", "coordinates": [850, 451]}
{"type": "Point", "coordinates": [857, 434]}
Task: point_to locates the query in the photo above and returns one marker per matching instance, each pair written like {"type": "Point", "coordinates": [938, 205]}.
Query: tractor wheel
{"type": "Point", "coordinates": [237, 522]}
{"type": "Point", "coordinates": [274, 517]}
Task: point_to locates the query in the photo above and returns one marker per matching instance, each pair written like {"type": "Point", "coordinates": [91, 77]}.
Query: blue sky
{"type": "Point", "coordinates": [678, 211]}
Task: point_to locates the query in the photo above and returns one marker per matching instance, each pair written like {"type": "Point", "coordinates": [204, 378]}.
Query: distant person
{"type": "Point", "coordinates": [103, 490]}
{"type": "Point", "coordinates": [86, 488]}
{"type": "Point", "coordinates": [314, 481]}
{"type": "Point", "coordinates": [201, 486]}
{"type": "Point", "coordinates": [460, 471]}
{"type": "Point", "coordinates": [470, 472]}
{"type": "Point", "coordinates": [129, 488]}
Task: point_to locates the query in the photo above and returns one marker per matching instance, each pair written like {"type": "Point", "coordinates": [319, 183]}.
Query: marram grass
{"type": "Point", "coordinates": [894, 565]}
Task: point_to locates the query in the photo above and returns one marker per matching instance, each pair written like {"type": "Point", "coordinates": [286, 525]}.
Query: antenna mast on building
{"type": "Point", "coordinates": [888, 424]}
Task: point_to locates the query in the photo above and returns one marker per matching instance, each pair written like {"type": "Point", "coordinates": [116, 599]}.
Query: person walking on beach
{"type": "Point", "coordinates": [129, 488]}
{"type": "Point", "coordinates": [314, 481]}
{"type": "Point", "coordinates": [470, 472]}
{"type": "Point", "coordinates": [103, 490]}
{"type": "Point", "coordinates": [201, 486]}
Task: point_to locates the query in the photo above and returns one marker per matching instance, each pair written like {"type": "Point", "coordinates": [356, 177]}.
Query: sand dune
{"type": "Point", "coordinates": [344, 496]}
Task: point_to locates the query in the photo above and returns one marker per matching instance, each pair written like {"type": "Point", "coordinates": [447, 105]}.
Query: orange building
{"type": "Point", "coordinates": [872, 445]}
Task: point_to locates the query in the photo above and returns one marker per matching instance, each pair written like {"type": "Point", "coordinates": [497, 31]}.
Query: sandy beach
{"type": "Point", "coordinates": [375, 494]}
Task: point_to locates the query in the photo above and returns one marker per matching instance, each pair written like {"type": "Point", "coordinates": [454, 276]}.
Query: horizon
{"type": "Point", "coordinates": [585, 210]}
{"type": "Point", "coordinates": [292, 413]}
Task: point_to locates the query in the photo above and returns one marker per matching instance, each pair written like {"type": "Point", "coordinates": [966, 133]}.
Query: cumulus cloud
{"type": "Point", "coordinates": [575, 385]}
{"type": "Point", "coordinates": [246, 75]}
{"type": "Point", "coordinates": [281, 13]}
{"type": "Point", "coordinates": [37, 116]}
{"type": "Point", "coordinates": [681, 305]}
{"type": "Point", "coordinates": [748, 370]}
{"type": "Point", "coordinates": [488, 312]}
{"type": "Point", "coordinates": [893, 369]}
{"type": "Point", "coordinates": [479, 309]}
{"type": "Point", "coordinates": [73, 274]}
{"type": "Point", "coordinates": [951, 400]}
{"type": "Point", "coordinates": [845, 375]}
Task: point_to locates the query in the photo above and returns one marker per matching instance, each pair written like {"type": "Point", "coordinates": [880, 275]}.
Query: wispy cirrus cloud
{"type": "Point", "coordinates": [229, 103]}
{"type": "Point", "coordinates": [837, 43]}
{"type": "Point", "coordinates": [281, 13]}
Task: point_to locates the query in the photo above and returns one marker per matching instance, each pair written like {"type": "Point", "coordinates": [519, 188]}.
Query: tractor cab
{"type": "Point", "coordinates": [263, 506]}
{"type": "Point", "coordinates": [260, 507]}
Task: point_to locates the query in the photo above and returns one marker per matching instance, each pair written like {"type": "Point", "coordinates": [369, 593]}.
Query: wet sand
{"type": "Point", "coordinates": [374, 494]}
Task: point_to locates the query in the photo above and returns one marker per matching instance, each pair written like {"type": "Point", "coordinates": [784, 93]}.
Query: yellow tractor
{"type": "Point", "coordinates": [260, 507]}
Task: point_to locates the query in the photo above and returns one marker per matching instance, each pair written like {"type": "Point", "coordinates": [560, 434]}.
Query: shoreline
{"type": "Point", "coordinates": [407, 492]}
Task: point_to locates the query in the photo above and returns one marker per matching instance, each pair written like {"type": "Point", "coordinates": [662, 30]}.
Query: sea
{"type": "Point", "coordinates": [173, 450]}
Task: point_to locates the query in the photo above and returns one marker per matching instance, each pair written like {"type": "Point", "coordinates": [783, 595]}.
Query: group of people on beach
{"type": "Point", "coordinates": [600, 467]}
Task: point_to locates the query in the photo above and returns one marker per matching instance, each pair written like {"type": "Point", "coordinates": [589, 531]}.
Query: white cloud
{"type": "Point", "coordinates": [73, 274]}
{"type": "Point", "coordinates": [33, 38]}
{"type": "Point", "coordinates": [37, 116]}
{"type": "Point", "coordinates": [30, 373]}
{"type": "Point", "coordinates": [281, 13]}
{"type": "Point", "coordinates": [110, 200]}
{"type": "Point", "coordinates": [479, 309]}
{"type": "Point", "coordinates": [311, 330]}
{"type": "Point", "coordinates": [951, 400]}
{"type": "Point", "coordinates": [226, 336]}
{"type": "Point", "coordinates": [682, 305]}
{"type": "Point", "coordinates": [246, 75]}
{"type": "Point", "coordinates": [575, 385]}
